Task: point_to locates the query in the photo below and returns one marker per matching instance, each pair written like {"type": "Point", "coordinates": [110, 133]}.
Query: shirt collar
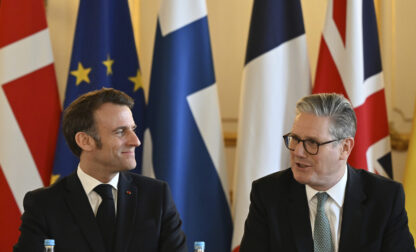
{"type": "Point", "coordinates": [337, 192]}
{"type": "Point", "coordinates": [89, 183]}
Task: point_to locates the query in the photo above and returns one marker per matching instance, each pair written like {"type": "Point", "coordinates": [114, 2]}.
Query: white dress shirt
{"type": "Point", "coordinates": [89, 183]}
{"type": "Point", "coordinates": [333, 207]}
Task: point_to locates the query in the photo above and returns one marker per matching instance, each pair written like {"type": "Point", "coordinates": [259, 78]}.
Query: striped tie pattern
{"type": "Point", "coordinates": [322, 238]}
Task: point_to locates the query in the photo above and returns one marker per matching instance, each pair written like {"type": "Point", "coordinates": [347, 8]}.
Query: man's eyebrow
{"type": "Point", "coordinates": [312, 139]}
{"type": "Point", "coordinates": [294, 135]}
{"type": "Point", "coordinates": [306, 138]}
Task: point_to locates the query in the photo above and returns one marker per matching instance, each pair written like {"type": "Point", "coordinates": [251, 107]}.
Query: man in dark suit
{"type": "Point", "coordinates": [321, 203]}
{"type": "Point", "coordinates": [102, 207]}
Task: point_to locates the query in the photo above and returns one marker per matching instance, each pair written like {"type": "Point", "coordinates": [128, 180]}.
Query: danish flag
{"type": "Point", "coordinates": [349, 63]}
{"type": "Point", "coordinates": [29, 109]}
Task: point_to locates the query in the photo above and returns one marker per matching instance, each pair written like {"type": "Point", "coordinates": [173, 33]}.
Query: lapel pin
{"type": "Point", "coordinates": [128, 192]}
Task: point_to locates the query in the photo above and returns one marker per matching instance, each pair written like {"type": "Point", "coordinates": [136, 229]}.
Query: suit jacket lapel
{"type": "Point", "coordinates": [126, 211]}
{"type": "Point", "coordinates": [299, 217]}
{"type": "Point", "coordinates": [352, 212]}
{"type": "Point", "coordinates": [81, 209]}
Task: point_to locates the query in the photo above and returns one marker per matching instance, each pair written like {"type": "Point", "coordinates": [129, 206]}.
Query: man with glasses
{"type": "Point", "coordinates": [321, 203]}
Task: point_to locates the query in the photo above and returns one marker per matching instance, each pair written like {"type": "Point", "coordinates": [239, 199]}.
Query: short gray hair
{"type": "Point", "coordinates": [334, 106]}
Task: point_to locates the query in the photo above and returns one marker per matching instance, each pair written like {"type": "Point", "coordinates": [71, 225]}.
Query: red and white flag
{"type": "Point", "coordinates": [349, 63]}
{"type": "Point", "coordinates": [29, 109]}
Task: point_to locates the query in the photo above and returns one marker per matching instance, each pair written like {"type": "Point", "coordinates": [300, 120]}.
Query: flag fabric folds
{"type": "Point", "coordinates": [103, 55]}
{"type": "Point", "coordinates": [184, 140]}
{"type": "Point", "coordinates": [29, 109]}
{"type": "Point", "coordinates": [349, 63]}
{"type": "Point", "coordinates": [409, 180]}
{"type": "Point", "coordinates": [275, 77]}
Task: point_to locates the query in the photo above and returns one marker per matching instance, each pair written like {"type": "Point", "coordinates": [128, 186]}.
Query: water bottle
{"type": "Point", "coordinates": [199, 246]}
{"type": "Point", "coordinates": [49, 245]}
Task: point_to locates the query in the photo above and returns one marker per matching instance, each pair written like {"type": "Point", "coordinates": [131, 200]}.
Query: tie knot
{"type": "Point", "coordinates": [322, 197]}
{"type": "Point", "coordinates": [104, 190]}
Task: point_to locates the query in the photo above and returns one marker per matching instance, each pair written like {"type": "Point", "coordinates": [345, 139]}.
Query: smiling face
{"type": "Point", "coordinates": [115, 127]}
{"type": "Point", "coordinates": [325, 169]}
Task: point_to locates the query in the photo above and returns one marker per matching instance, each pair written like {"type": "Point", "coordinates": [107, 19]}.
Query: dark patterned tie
{"type": "Point", "coordinates": [106, 217]}
{"type": "Point", "coordinates": [322, 238]}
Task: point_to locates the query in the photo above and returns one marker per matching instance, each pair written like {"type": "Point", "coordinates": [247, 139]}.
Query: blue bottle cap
{"type": "Point", "coordinates": [199, 244]}
{"type": "Point", "coordinates": [49, 242]}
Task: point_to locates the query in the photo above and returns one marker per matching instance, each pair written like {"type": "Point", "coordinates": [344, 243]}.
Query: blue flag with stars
{"type": "Point", "coordinates": [103, 55]}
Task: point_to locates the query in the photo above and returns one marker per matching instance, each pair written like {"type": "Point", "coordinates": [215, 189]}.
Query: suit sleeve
{"type": "Point", "coordinates": [33, 231]}
{"type": "Point", "coordinates": [256, 230]}
{"type": "Point", "coordinates": [172, 238]}
{"type": "Point", "coordinates": [397, 236]}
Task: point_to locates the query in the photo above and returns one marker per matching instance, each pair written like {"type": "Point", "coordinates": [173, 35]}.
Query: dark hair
{"type": "Point", "coordinates": [334, 106]}
{"type": "Point", "coordinates": [79, 115]}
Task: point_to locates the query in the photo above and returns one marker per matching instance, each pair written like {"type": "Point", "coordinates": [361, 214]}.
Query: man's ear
{"type": "Point", "coordinates": [347, 145]}
{"type": "Point", "coordinates": [84, 141]}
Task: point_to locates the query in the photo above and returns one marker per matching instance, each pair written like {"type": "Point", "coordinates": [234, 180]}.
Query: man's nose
{"type": "Point", "coordinates": [134, 140]}
{"type": "Point", "coordinates": [300, 150]}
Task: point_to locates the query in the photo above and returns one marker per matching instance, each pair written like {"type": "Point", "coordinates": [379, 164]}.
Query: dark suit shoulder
{"type": "Point", "coordinates": [375, 182]}
{"type": "Point", "coordinates": [382, 218]}
{"type": "Point", "coordinates": [143, 181]}
{"type": "Point", "coordinates": [273, 177]}
{"type": "Point", "coordinates": [155, 204]}
{"type": "Point", "coordinates": [280, 179]}
{"type": "Point", "coordinates": [49, 192]}
{"type": "Point", "coordinates": [275, 186]}
{"type": "Point", "coordinates": [147, 188]}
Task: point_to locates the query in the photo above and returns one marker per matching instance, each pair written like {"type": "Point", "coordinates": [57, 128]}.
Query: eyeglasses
{"type": "Point", "coordinates": [310, 146]}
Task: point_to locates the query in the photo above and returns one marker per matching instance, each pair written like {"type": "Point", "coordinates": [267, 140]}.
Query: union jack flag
{"type": "Point", "coordinates": [349, 63]}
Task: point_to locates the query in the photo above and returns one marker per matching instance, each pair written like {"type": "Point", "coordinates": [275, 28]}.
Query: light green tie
{"type": "Point", "coordinates": [322, 239]}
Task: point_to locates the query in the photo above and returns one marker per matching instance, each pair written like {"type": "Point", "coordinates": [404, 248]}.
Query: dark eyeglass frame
{"type": "Point", "coordinates": [286, 140]}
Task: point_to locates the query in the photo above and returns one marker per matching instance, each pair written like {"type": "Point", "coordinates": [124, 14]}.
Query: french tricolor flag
{"type": "Point", "coordinates": [276, 75]}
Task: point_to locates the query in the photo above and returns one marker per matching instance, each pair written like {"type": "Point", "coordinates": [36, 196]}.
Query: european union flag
{"type": "Point", "coordinates": [103, 55]}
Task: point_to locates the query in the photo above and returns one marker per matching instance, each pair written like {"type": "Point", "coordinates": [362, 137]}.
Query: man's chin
{"type": "Point", "coordinates": [130, 166]}
{"type": "Point", "coordinates": [300, 177]}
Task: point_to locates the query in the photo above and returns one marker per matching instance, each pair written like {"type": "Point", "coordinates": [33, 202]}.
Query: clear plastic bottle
{"type": "Point", "coordinates": [49, 245]}
{"type": "Point", "coordinates": [199, 246]}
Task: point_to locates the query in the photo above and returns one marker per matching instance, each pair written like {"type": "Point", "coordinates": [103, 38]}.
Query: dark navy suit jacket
{"type": "Point", "coordinates": [373, 218]}
{"type": "Point", "coordinates": [147, 219]}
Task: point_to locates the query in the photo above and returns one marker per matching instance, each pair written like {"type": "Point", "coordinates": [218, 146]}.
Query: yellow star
{"type": "Point", "coordinates": [137, 80]}
{"type": "Point", "coordinates": [54, 178]}
{"type": "Point", "coordinates": [108, 63]}
{"type": "Point", "coordinates": [81, 74]}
